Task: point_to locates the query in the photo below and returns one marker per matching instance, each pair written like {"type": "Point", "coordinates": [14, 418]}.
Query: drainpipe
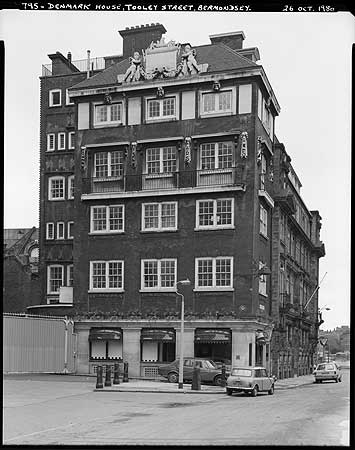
{"type": "Point", "coordinates": [66, 322]}
{"type": "Point", "coordinates": [88, 65]}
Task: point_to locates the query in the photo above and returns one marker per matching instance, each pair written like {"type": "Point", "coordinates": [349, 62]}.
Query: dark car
{"type": "Point", "coordinates": [208, 371]}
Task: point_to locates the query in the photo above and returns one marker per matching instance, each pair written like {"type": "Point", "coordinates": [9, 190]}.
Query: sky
{"type": "Point", "coordinates": [307, 59]}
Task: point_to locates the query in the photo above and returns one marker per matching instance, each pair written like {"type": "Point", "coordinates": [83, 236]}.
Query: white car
{"type": "Point", "coordinates": [250, 380]}
{"type": "Point", "coordinates": [327, 371]}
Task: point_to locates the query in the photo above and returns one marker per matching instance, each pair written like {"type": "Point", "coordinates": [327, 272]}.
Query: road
{"type": "Point", "coordinates": [56, 410]}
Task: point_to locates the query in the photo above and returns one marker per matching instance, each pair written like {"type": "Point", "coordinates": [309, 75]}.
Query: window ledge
{"type": "Point", "coordinates": [230, 289]}
{"type": "Point", "coordinates": [56, 199]}
{"type": "Point", "coordinates": [214, 228]}
{"type": "Point", "coordinates": [161, 119]}
{"type": "Point", "coordinates": [264, 236]}
{"type": "Point", "coordinates": [108, 125]}
{"type": "Point", "coordinates": [100, 179]}
{"type": "Point", "coordinates": [55, 106]}
{"type": "Point", "coordinates": [217, 114]}
{"type": "Point", "coordinates": [104, 233]}
{"type": "Point", "coordinates": [169, 230]}
{"type": "Point", "coordinates": [156, 291]}
{"type": "Point", "coordinates": [265, 296]}
{"type": "Point", "coordinates": [105, 291]}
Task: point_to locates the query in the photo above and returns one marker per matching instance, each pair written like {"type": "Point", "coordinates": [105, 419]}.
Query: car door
{"type": "Point", "coordinates": [266, 382]}
{"type": "Point", "coordinates": [205, 371]}
{"type": "Point", "coordinates": [188, 368]}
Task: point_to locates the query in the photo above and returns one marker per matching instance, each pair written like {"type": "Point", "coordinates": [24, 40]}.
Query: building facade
{"type": "Point", "coordinates": [162, 165]}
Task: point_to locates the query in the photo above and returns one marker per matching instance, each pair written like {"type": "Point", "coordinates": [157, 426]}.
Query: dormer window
{"type": "Point", "coordinates": [217, 103]}
{"type": "Point", "coordinates": [108, 114]}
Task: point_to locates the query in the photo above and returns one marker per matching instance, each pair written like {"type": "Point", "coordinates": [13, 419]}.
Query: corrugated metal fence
{"type": "Point", "coordinates": [39, 344]}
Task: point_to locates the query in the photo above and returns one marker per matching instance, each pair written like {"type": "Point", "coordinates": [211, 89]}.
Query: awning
{"type": "Point", "coordinates": [157, 334]}
{"type": "Point", "coordinates": [101, 334]}
{"type": "Point", "coordinates": [213, 336]}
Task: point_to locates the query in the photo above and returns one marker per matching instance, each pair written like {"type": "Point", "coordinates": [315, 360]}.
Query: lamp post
{"type": "Point", "coordinates": [186, 282]}
{"type": "Point", "coordinates": [320, 323]}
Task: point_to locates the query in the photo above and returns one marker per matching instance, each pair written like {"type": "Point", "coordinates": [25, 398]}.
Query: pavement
{"type": "Point", "coordinates": [158, 386]}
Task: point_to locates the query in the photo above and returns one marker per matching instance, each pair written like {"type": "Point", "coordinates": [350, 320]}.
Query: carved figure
{"type": "Point", "coordinates": [135, 70]}
{"type": "Point", "coordinates": [187, 156]}
{"type": "Point", "coordinates": [244, 145]}
{"type": "Point", "coordinates": [189, 64]}
{"type": "Point", "coordinates": [134, 154]}
{"type": "Point", "coordinates": [83, 158]}
{"type": "Point", "coordinates": [216, 86]}
{"type": "Point", "coordinates": [108, 99]}
{"type": "Point", "coordinates": [160, 92]}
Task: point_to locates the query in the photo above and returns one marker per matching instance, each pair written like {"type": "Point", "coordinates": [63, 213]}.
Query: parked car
{"type": "Point", "coordinates": [327, 371]}
{"type": "Point", "coordinates": [250, 380]}
{"type": "Point", "coordinates": [208, 370]}
{"type": "Point", "coordinates": [219, 363]}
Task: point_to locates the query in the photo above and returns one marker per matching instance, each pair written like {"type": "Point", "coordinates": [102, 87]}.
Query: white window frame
{"type": "Point", "coordinates": [265, 115]}
{"type": "Point", "coordinates": [160, 207]}
{"type": "Point", "coordinates": [218, 112]}
{"type": "Point", "coordinates": [50, 148]}
{"type": "Point", "coordinates": [107, 219]}
{"type": "Point", "coordinates": [51, 92]}
{"type": "Point", "coordinates": [49, 267]}
{"type": "Point", "coordinates": [161, 117]}
{"type": "Point", "coordinates": [159, 287]}
{"type": "Point", "coordinates": [109, 166]}
{"type": "Point", "coordinates": [70, 266]}
{"type": "Point", "coordinates": [50, 225]}
{"type": "Point", "coordinates": [262, 281]}
{"type": "Point", "coordinates": [70, 224]}
{"type": "Point", "coordinates": [71, 187]}
{"type": "Point", "coordinates": [62, 225]}
{"type": "Point", "coordinates": [160, 173]}
{"type": "Point", "coordinates": [105, 289]}
{"type": "Point", "coordinates": [50, 180]}
{"type": "Point", "coordinates": [71, 140]}
{"type": "Point", "coordinates": [214, 287]}
{"type": "Point", "coordinates": [214, 225]}
{"type": "Point", "coordinates": [67, 98]}
{"type": "Point", "coordinates": [216, 161]}
{"type": "Point", "coordinates": [109, 123]}
{"type": "Point", "coordinates": [263, 220]}
{"type": "Point", "coordinates": [60, 136]}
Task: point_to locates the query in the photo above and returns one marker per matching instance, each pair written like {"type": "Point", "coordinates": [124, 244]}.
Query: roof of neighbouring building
{"type": "Point", "coordinates": [219, 58]}
{"type": "Point", "coordinates": [18, 240]}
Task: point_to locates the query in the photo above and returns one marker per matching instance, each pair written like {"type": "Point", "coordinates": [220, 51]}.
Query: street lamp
{"type": "Point", "coordinates": [186, 282]}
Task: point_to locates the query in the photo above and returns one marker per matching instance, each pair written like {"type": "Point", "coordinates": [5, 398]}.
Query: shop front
{"type": "Point", "coordinates": [105, 346]}
{"type": "Point", "coordinates": [157, 347]}
{"type": "Point", "coordinates": [214, 344]}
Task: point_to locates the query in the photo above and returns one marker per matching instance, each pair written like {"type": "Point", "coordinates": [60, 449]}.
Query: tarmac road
{"type": "Point", "coordinates": [64, 410]}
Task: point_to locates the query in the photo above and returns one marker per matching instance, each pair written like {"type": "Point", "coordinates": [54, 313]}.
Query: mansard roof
{"type": "Point", "coordinates": [219, 58]}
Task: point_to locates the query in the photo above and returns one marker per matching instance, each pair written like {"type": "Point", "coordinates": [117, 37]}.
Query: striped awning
{"type": "Point", "coordinates": [213, 336]}
{"type": "Point", "coordinates": [158, 334]}
{"type": "Point", "coordinates": [104, 334]}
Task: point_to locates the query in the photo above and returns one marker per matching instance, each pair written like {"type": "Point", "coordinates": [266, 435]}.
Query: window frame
{"type": "Point", "coordinates": [106, 288]}
{"type": "Point", "coordinates": [61, 134]}
{"type": "Point", "coordinates": [70, 226]}
{"type": "Point", "coordinates": [71, 180]}
{"type": "Point", "coordinates": [60, 236]}
{"type": "Point", "coordinates": [71, 140]}
{"type": "Point", "coordinates": [161, 173]}
{"type": "Point", "coordinates": [215, 113]}
{"type": "Point", "coordinates": [161, 117]}
{"type": "Point", "coordinates": [160, 207]}
{"type": "Point", "coordinates": [49, 267]}
{"type": "Point", "coordinates": [70, 267]}
{"type": "Point", "coordinates": [158, 288]}
{"type": "Point", "coordinates": [50, 93]}
{"type": "Point", "coordinates": [216, 157]}
{"type": "Point", "coordinates": [263, 221]}
{"type": "Point", "coordinates": [215, 225]}
{"type": "Point", "coordinates": [214, 287]}
{"type": "Point", "coordinates": [107, 219]}
{"type": "Point", "coordinates": [262, 281]}
{"type": "Point", "coordinates": [50, 180]}
{"type": "Point", "coordinates": [67, 98]}
{"type": "Point", "coordinates": [48, 225]}
{"type": "Point", "coordinates": [49, 147]}
{"type": "Point", "coordinates": [108, 123]}
{"type": "Point", "coordinates": [109, 166]}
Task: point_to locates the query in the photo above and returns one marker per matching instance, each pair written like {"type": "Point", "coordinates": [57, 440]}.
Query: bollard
{"type": "Point", "coordinates": [99, 383]}
{"type": "Point", "coordinates": [125, 372]}
{"type": "Point", "coordinates": [116, 374]}
{"type": "Point", "coordinates": [108, 376]}
{"type": "Point", "coordinates": [223, 383]}
{"type": "Point", "coordinates": [196, 379]}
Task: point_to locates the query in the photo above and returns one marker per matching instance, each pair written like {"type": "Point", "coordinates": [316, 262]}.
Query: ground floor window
{"type": "Point", "coordinates": [157, 345]}
{"type": "Point", "coordinates": [105, 343]}
{"type": "Point", "coordinates": [214, 344]}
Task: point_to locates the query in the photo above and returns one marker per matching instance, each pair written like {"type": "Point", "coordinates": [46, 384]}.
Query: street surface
{"type": "Point", "coordinates": [54, 410]}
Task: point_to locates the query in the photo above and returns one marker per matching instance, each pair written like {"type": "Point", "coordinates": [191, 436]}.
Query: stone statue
{"type": "Point", "coordinates": [189, 64]}
{"type": "Point", "coordinates": [135, 70]}
{"type": "Point", "coordinates": [244, 145]}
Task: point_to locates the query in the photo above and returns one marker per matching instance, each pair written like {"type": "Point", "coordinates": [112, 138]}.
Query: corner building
{"type": "Point", "coordinates": [162, 164]}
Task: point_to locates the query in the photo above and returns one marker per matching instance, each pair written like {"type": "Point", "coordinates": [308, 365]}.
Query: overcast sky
{"type": "Point", "coordinates": [306, 56]}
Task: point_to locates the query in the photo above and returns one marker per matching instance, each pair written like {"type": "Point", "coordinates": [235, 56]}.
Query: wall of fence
{"type": "Point", "coordinates": [38, 344]}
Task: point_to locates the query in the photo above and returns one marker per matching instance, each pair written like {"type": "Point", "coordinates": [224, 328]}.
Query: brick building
{"type": "Point", "coordinates": [162, 164]}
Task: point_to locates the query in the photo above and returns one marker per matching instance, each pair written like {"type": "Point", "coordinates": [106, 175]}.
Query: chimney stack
{"type": "Point", "coordinates": [233, 40]}
{"type": "Point", "coordinates": [69, 57]}
{"type": "Point", "coordinates": [138, 38]}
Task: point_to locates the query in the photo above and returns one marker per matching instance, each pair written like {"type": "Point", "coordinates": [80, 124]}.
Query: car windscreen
{"type": "Point", "coordinates": [325, 367]}
{"type": "Point", "coordinates": [209, 365]}
{"type": "Point", "coordinates": [241, 372]}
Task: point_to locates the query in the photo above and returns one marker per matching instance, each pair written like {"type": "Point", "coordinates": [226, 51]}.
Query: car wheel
{"type": "Point", "coordinates": [340, 380]}
{"type": "Point", "coordinates": [173, 377]}
{"type": "Point", "coordinates": [337, 380]}
{"type": "Point", "coordinates": [218, 380]}
{"type": "Point", "coordinates": [229, 391]}
{"type": "Point", "coordinates": [255, 391]}
{"type": "Point", "coordinates": [271, 390]}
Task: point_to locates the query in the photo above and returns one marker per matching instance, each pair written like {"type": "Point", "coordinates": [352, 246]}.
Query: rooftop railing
{"type": "Point", "coordinates": [80, 64]}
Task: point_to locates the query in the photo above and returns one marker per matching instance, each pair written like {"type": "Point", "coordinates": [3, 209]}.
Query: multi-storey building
{"type": "Point", "coordinates": [162, 165]}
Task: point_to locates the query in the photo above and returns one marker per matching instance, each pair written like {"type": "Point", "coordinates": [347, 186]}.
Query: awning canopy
{"type": "Point", "coordinates": [213, 336]}
{"type": "Point", "coordinates": [157, 334]}
{"type": "Point", "coordinates": [104, 334]}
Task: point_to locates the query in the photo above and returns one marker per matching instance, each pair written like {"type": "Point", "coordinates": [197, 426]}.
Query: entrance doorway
{"type": "Point", "coordinates": [213, 344]}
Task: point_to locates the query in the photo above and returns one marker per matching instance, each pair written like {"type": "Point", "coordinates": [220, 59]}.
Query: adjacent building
{"type": "Point", "coordinates": [161, 165]}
